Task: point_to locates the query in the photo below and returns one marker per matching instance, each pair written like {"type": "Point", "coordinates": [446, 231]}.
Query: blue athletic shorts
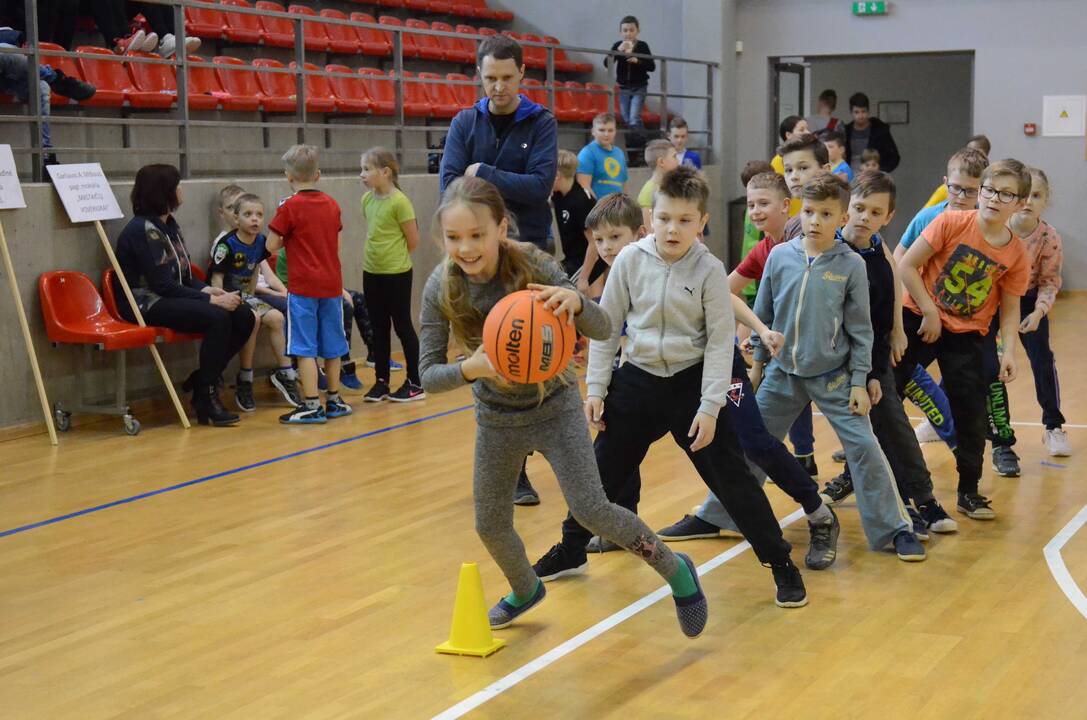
{"type": "Point", "coordinates": [315, 327]}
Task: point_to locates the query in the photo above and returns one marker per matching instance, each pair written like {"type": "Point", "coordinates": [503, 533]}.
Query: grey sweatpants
{"type": "Point", "coordinates": [564, 441]}
{"type": "Point", "coordinates": [781, 397]}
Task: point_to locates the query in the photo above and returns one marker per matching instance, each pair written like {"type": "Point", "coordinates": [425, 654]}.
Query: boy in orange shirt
{"type": "Point", "coordinates": [964, 267]}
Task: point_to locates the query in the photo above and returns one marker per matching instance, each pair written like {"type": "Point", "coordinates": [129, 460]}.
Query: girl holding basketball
{"type": "Point", "coordinates": [482, 266]}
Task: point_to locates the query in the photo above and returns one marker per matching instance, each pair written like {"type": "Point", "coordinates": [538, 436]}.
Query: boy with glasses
{"type": "Point", "coordinates": [957, 274]}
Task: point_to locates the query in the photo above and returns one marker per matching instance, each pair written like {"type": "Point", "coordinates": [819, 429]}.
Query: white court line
{"type": "Point", "coordinates": [531, 668]}
{"type": "Point", "coordinates": [1056, 564]}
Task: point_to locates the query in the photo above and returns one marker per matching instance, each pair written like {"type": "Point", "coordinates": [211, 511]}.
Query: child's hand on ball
{"type": "Point", "coordinates": [558, 300]}
{"type": "Point", "coordinates": [478, 366]}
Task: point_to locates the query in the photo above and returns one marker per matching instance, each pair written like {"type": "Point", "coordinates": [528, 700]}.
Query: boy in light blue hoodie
{"type": "Point", "coordinates": [815, 292]}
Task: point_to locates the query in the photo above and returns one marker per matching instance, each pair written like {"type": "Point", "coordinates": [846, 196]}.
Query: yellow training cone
{"type": "Point", "coordinates": [471, 633]}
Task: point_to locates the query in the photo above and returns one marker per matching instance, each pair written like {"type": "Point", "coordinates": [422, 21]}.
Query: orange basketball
{"type": "Point", "coordinates": [525, 341]}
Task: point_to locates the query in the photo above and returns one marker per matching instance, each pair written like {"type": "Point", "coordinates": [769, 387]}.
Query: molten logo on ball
{"type": "Point", "coordinates": [513, 347]}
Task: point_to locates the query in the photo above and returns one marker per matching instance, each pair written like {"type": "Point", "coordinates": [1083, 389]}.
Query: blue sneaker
{"type": "Point", "coordinates": [348, 378]}
{"type": "Point", "coordinates": [305, 416]}
{"type": "Point", "coordinates": [337, 408]}
{"type": "Point", "coordinates": [393, 365]}
{"type": "Point", "coordinates": [503, 614]}
{"type": "Point", "coordinates": [322, 380]}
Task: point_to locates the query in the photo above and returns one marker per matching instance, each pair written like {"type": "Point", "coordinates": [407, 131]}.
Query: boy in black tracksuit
{"type": "Point", "coordinates": [631, 73]}
{"type": "Point", "coordinates": [871, 206]}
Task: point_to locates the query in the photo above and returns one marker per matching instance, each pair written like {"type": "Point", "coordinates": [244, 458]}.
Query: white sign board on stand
{"type": "Point", "coordinates": [85, 192]}
{"type": "Point", "coordinates": [1064, 115]}
{"type": "Point", "coordinates": [11, 192]}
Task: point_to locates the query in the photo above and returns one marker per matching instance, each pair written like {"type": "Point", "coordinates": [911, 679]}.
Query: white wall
{"type": "Point", "coordinates": [1023, 50]}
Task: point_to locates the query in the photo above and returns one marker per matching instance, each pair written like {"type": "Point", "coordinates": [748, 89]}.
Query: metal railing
{"type": "Point", "coordinates": [181, 115]}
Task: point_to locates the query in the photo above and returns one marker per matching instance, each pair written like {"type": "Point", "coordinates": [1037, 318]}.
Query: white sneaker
{"type": "Point", "coordinates": [1056, 442]}
{"type": "Point", "coordinates": [192, 44]}
{"type": "Point", "coordinates": [926, 433]}
{"type": "Point", "coordinates": [150, 43]}
{"type": "Point", "coordinates": [168, 46]}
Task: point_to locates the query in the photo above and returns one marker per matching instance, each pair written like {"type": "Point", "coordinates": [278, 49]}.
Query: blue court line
{"type": "Point", "coordinates": [225, 473]}
{"type": "Point", "coordinates": [1053, 464]}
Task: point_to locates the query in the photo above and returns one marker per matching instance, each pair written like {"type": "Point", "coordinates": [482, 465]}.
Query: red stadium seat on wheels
{"type": "Point", "coordinates": [409, 49]}
{"type": "Point", "coordinates": [104, 69]}
{"type": "Point", "coordinates": [341, 38]}
{"type": "Point", "coordinates": [381, 91]}
{"type": "Point", "coordinates": [466, 95]}
{"type": "Point", "coordinates": [443, 103]}
{"type": "Point", "coordinates": [373, 42]}
{"type": "Point", "coordinates": [242, 28]}
{"type": "Point", "coordinates": [350, 92]}
{"type": "Point", "coordinates": [427, 45]}
{"type": "Point", "coordinates": [460, 50]}
{"type": "Point", "coordinates": [319, 97]}
{"type": "Point", "coordinates": [277, 89]}
{"type": "Point", "coordinates": [416, 102]}
{"type": "Point", "coordinates": [275, 31]}
{"type": "Point", "coordinates": [109, 299]}
{"type": "Point", "coordinates": [206, 91]}
{"type": "Point", "coordinates": [315, 34]}
{"type": "Point", "coordinates": [204, 23]}
{"type": "Point", "coordinates": [242, 82]}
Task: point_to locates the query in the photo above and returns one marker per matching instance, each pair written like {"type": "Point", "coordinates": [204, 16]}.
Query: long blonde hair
{"type": "Point", "coordinates": [515, 267]}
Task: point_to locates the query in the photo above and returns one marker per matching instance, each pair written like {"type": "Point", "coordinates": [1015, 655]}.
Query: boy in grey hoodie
{"type": "Point", "coordinates": [673, 295]}
{"type": "Point", "coordinates": [815, 292]}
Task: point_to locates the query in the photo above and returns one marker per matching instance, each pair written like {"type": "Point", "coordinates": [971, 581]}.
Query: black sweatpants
{"type": "Point", "coordinates": [960, 356]}
{"type": "Point", "coordinates": [640, 409]}
{"type": "Point", "coordinates": [225, 332]}
{"type": "Point", "coordinates": [388, 299]}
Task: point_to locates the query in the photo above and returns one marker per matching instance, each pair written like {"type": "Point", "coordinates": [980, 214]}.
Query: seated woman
{"type": "Point", "coordinates": [152, 254]}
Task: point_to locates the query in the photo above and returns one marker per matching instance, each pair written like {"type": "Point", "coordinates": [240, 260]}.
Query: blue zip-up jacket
{"type": "Point", "coordinates": [822, 309]}
{"type": "Point", "coordinates": [521, 165]}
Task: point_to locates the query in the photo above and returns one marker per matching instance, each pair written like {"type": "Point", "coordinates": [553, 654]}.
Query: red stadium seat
{"type": "Point", "coordinates": [386, 3]}
{"type": "Point", "coordinates": [428, 45]}
{"type": "Point", "coordinates": [443, 7]}
{"type": "Point", "coordinates": [416, 102]}
{"type": "Point", "coordinates": [563, 63]}
{"type": "Point", "coordinates": [341, 38]}
{"type": "Point", "coordinates": [106, 70]}
{"type": "Point", "coordinates": [568, 102]}
{"type": "Point", "coordinates": [374, 42]}
{"type": "Point", "coordinates": [152, 77]}
{"type": "Point", "coordinates": [409, 49]}
{"type": "Point", "coordinates": [277, 89]}
{"type": "Point", "coordinates": [460, 50]}
{"type": "Point", "coordinates": [533, 89]}
{"type": "Point", "coordinates": [443, 102]}
{"type": "Point", "coordinates": [75, 313]}
{"type": "Point", "coordinates": [204, 23]}
{"type": "Point", "coordinates": [276, 31]}
{"type": "Point", "coordinates": [582, 101]}
{"type": "Point", "coordinates": [598, 101]}
{"type": "Point", "coordinates": [243, 82]}
{"type": "Point", "coordinates": [464, 8]}
{"type": "Point", "coordinates": [381, 91]}
{"type": "Point", "coordinates": [109, 299]}
{"type": "Point", "coordinates": [650, 118]}
{"type": "Point", "coordinates": [487, 32]}
{"type": "Point", "coordinates": [465, 94]}
{"type": "Point", "coordinates": [69, 67]}
{"type": "Point", "coordinates": [319, 97]}
{"type": "Point", "coordinates": [242, 28]}
{"type": "Point", "coordinates": [350, 92]}
{"type": "Point", "coordinates": [206, 91]}
{"type": "Point", "coordinates": [535, 56]}
{"type": "Point", "coordinates": [315, 34]}
{"type": "Point", "coordinates": [480, 9]}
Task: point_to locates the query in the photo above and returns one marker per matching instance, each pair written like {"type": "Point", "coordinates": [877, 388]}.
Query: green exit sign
{"type": "Point", "coordinates": [876, 7]}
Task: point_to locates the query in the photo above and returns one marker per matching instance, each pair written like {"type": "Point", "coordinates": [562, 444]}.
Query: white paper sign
{"type": "Point", "coordinates": [11, 192]}
{"type": "Point", "coordinates": [85, 192]}
{"type": "Point", "coordinates": [1064, 115]}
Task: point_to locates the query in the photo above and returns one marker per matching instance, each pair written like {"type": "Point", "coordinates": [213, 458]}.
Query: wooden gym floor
{"type": "Point", "coordinates": [267, 572]}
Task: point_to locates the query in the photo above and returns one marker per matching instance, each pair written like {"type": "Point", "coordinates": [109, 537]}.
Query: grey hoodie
{"type": "Point", "coordinates": [821, 309]}
{"type": "Point", "coordinates": [677, 315]}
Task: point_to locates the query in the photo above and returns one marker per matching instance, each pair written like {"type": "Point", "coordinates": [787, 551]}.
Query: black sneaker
{"type": "Point", "coordinates": [790, 592]}
{"type": "Point", "coordinates": [975, 506]}
{"type": "Point", "coordinates": [525, 493]}
{"type": "Point", "coordinates": [305, 416]}
{"type": "Point", "coordinates": [408, 392]}
{"type": "Point", "coordinates": [908, 548]}
{"type": "Point", "coordinates": [808, 463]}
{"type": "Point", "coordinates": [1005, 462]}
{"type": "Point", "coordinates": [936, 518]}
{"type": "Point", "coordinates": [287, 387]}
{"type": "Point", "coordinates": [823, 547]}
{"type": "Point", "coordinates": [72, 87]}
{"type": "Point", "coordinates": [838, 489]}
{"type": "Point", "coordinates": [920, 527]}
{"type": "Point", "coordinates": [838, 456]}
{"type": "Point", "coordinates": [243, 396]}
{"type": "Point", "coordinates": [379, 392]}
{"type": "Point", "coordinates": [691, 527]}
{"type": "Point", "coordinates": [560, 561]}
{"type": "Point", "coordinates": [336, 407]}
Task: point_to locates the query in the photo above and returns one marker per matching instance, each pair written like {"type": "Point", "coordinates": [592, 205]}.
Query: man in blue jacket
{"type": "Point", "coordinates": [507, 140]}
